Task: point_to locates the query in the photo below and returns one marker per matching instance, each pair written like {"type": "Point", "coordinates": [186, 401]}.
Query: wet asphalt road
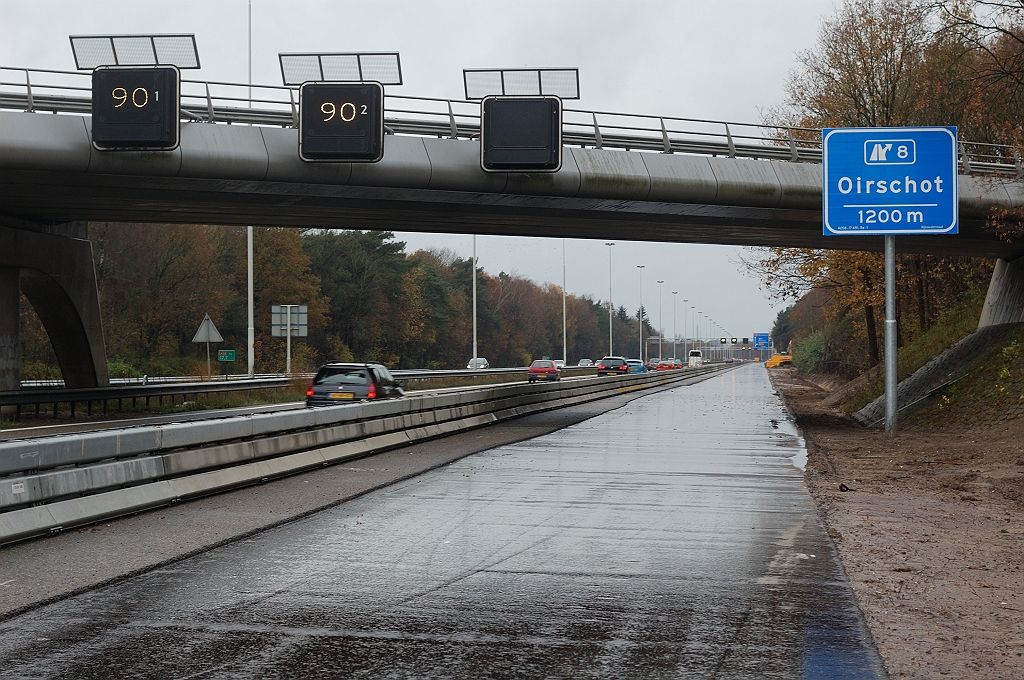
{"type": "Point", "coordinates": [672, 537]}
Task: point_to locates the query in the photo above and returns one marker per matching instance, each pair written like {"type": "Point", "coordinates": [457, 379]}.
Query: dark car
{"type": "Point", "coordinates": [338, 383]}
{"type": "Point", "coordinates": [612, 366]}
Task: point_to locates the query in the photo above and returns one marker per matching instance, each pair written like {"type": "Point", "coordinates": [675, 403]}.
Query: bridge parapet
{"type": "Point", "coordinates": [62, 144]}
{"type": "Point", "coordinates": [54, 91]}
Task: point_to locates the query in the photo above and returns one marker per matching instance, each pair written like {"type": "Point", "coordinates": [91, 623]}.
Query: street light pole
{"type": "Point", "coordinates": [610, 307]}
{"type": "Point", "coordinates": [700, 339]}
{"type": "Point", "coordinates": [251, 331]}
{"type": "Point", "coordinates": [661, 326]}
{"type": "Point", "coordinates": [565, 336]}
{"type": "Point", "coordinates": [474, 297]}
{"type": "Point", "coordinates": [675, 337]}
{"type": "Point", "coordinates": [686, 351]}
{"type": "Point", "coordinates": [640, 312]}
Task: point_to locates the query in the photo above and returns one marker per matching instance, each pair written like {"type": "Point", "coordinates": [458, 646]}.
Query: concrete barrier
{"type": "Point", "coordinates": [53, 483]}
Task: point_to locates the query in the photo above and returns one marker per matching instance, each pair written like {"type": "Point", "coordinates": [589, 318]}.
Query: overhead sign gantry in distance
{"type": "Point", "coordinates": [760, 340]}
{"type": "Point", "coordinates": [886, 181]}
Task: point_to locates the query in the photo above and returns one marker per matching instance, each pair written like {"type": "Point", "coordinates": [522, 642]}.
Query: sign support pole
{"type": "Point", "coordinates": [890, 336]}
{"type": "Point", "coordinates": [288, 340]}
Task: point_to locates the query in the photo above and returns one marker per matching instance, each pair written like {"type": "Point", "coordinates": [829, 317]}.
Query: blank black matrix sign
{"type": "Point", "coordinates": [136, 108]}
{"type": "Point", "coordinates": [521, 134]}
{"type": "Point", "coordinates": [341, 122]}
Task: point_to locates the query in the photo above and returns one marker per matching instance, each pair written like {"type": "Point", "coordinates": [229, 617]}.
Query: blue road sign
{"type": "Point", "coordinates": [889, 181]}
{"type": "Point", "coordinates": [760, 341]}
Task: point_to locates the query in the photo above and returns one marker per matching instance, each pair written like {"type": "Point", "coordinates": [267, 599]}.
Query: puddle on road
{"type": "Point", "coordinates": [791, 435]}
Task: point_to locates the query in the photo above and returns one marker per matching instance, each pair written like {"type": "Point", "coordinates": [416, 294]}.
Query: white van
{"type": "Point", "coordinates": [696, 359]}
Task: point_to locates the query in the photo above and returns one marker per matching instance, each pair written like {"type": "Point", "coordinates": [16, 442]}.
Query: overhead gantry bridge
{"type": "Point", "coordinates": [623, 176]}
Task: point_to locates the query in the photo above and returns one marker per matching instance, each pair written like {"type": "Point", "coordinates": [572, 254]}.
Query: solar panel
{"type": "Point", "coordinates": [92, 51]}
{"type": "Point", "coordinates": [382, 67]}
{"type": "Point", "coordinates": [559, 82]}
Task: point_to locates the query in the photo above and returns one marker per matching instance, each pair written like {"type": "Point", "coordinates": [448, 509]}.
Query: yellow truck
{"type": "Point", "coordinates": [778, 359]}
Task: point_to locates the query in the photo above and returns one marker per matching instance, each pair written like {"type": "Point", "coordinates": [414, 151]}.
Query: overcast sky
{"type": "Point", "coordinates": [688, 58]}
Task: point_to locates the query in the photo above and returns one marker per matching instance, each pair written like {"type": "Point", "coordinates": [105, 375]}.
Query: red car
{"type": "Point", "coordinates": [543, 369]}
{"type": "Point", "coordinates": [665, 366]}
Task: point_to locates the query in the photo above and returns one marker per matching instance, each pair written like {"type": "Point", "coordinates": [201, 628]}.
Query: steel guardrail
{"type": "Point", "coordinates": [55, 91]}
{"type": "Point", "coordinates": [173, 386]}
{"type": "Point", "coordinates": [55, 482]}
{"type": "Point", "coordinates": [37, 396]}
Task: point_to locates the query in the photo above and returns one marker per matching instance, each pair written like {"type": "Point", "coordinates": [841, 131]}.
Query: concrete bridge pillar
{"type": "Point", "coordinates": [10, 329]}
{"type": "Point", "coordinates": [1004, 302]}
{"type": "Point", "coordinates": [53, 267]}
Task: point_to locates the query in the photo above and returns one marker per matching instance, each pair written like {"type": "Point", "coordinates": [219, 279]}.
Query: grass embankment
{"type": "Point", "coordinates": [991, 393]}
{"type": "Point", "coordinates": [953, 325]}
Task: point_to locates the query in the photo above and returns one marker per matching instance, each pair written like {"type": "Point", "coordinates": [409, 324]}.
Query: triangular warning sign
{"type": "Point", "coordinates": [207, 332]}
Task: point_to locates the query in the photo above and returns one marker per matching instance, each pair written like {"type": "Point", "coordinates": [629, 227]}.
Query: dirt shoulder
{"type": "Point", "coordinates": [930, 530]}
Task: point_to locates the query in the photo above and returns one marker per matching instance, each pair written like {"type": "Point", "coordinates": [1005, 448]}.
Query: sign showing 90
{"type": "Point", "coordinates": [346, 112]}
{"type": "Point", "coordinates": [341, 122]}
{"type": "Point", "coordinates": [135, 108]}
{"type": "Point", "coordinates": [139, 97]}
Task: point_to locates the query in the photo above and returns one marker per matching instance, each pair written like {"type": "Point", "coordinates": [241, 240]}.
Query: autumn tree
{"type": "Point", "coordinates": [882, 63]}
{"type": "Point", "coordinates": [864, 70]}
{"type": "Point", "coordinates": [281, 275]}
{"type": "Point", "coordinates": [994, 32]}
{"type": "Point", "coordinates": [155, 283]}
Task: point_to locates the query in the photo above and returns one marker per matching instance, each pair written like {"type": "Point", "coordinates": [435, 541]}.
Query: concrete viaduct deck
{"type": "Point", "coordinates": [239, 174]}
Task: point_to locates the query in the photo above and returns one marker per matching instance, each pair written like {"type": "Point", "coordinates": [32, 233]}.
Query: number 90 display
{"type": "Point", "coordinates": [341, 122]}
{"type": "Point", "coordinates": [135, 108]}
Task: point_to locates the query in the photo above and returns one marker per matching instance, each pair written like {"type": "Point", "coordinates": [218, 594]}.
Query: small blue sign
{"type": "Point", "coordinates": [760, 341]}
{"type": "Point", "coordinates": [889, 181]}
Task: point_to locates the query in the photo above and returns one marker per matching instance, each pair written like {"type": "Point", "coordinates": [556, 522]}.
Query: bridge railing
{"type": "Point", "coordinates": [53, 91]}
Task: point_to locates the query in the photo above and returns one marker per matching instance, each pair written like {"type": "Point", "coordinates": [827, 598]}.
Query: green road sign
{"type": "Point", "coordinates": [225, 355]}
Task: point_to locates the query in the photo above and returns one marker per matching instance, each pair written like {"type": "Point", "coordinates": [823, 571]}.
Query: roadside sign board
{"type": "Point", "coordinates": [760, 341]}
{"type": "Point", "coordinates": [136, 108]}
{"type": "Point", "coordinates": [280, 318]}
{"type": "Point", "coordinates": [207, 332]}
{"type": "Point", "coordinates": [225, 355]}
{"type": "Point", "coordinates": [341, 122]}
{"type": "Point", "coordinates": [521, 134]}
{"type": "Point", "coordinates": [887, 181]}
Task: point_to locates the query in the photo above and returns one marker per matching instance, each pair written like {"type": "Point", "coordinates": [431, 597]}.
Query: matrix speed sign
{"type": "Point", "coordinates": [341, 122]}
{"type": "Point", "coordinates": [135, 108]}
{"type": "Point", "coordinates": [889, 181]}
